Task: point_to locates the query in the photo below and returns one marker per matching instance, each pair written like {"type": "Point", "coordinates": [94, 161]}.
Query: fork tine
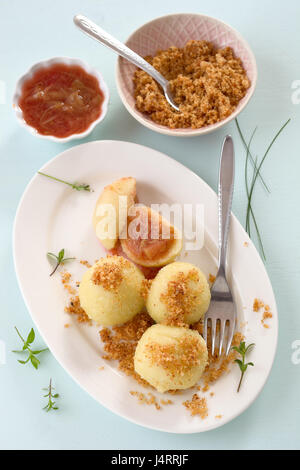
{"type": "Point", "coordinates": [230, 335]}
{"type": "Point", "coordinates": [222, 334]}
{"type": "Point", "coordinates": [213, 335]}
{"type": "Point", "coordinates": [205, 329]}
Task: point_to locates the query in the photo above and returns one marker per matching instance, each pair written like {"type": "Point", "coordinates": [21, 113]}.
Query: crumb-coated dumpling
{"type": "Point", "coordinates": [170, 358]}
{"type": "Point", "coordinates": [179, 295]}
{"type": "Point", "coordinates": [110, 292]}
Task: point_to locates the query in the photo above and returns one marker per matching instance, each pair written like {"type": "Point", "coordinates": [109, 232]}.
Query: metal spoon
{"type": "Point", "coordinates": [93, 30]}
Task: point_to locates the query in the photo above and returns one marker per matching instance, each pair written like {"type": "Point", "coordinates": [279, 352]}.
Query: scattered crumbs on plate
{"type": "Point", "coordinates": [166, 402]}
{"type": "Point", "coordinates": [84, 262]}
{"type": "Point", "coordinates": [205, 388]}
{"type": "Point", "coordinates": [267, 314]}
{"type": "Point", "coordinates": [66, 279]}
{"type": "Point", "coordinates": [67, 325]}
{"type": "Point", "coordinates": [257, 305]}
{"type": "Point", "coordinates": [101, 368]}
{"type": "Point", "coordinates": [74, 308]}
{"type": "Point", "coordinates": [246, 244]}
{"type": "Point", "coordinates": [197, 406]}
{"type": "Point", "coordinates": [185, 254]}
{"type": "Point", "coordinates": [211, 278]}
{"type": "Point", "coordinates": [211, 394]}
{"type": "Point", "coordinates": [144, 400]}
{"type": "Point", "coordinates": [218, 416]}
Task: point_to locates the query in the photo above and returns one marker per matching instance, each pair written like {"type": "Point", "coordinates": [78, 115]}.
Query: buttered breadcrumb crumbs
{"type": "Point", "coordinates": [109, 275]}
{"type": "Point", "coordinates": [207, 84]}
{"type": "Point", "coordinates": [66, 281]}
{"type": "Point", "coordinates": [211, 278]}
{"type": "Point", "coordinates": [144, 400]}
{"type": "Point", "coordinates": [197, 406]}
{"type": "Point", "coordinates": [180, 298]}
{"type": "Point", "coordinates": [120, 343]}
{"type": "Point", "coordinates": [166, 402]}
{"type": "Point", "coordinates": [257, 306]}
{"type": "Point", "coordinates": [74, 308]}
{"type": "Point", "coordinates": [173, 359]}
{"type": "Point", "coordinates": [85, 263]}
{"type": "Point", "coordinates": [146, 284]}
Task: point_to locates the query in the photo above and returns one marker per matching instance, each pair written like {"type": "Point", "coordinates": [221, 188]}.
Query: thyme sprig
{"type": "Point", "coordinates": [27, 347]}
{"type": "Point", "coordinates": [51, 405]}
{"type": "Point", "coordinates": [60, 258]}
{"type": "Point", "coordinates": [242, 349]}
{"type": "Point", "coordinates": [76, 186]}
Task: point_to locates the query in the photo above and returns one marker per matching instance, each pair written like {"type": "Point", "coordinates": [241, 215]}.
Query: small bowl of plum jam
{"type": "Point", "coordinates": [61, 99]}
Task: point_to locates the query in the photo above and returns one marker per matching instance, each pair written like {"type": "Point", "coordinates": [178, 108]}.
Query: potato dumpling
{"type": "Point", "coordinates": [151, 240]}
{"type": "Point", "coordinates": [170, 358]}
{"type": "Point", "coordinates": [110, 292]}
{"type": "Point", "coordinates": [110, 214]}
{"type": "Point", "coordinates": [179, 295]}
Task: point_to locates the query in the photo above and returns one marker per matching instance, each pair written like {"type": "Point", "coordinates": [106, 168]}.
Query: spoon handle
{"type": "Point", "coordinates": [226, 185]}
{"type": "Point", "coordinates": [93, 30]}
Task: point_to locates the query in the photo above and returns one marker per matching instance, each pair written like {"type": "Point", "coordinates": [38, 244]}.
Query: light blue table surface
{"type": "Point", "coordinates": [32, 30]}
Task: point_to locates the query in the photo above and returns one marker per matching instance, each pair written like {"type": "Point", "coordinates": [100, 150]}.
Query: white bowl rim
{"type": "Point", "coordinates": [47, 63]}
{"type": "Point", "coordinates": [188, 132]}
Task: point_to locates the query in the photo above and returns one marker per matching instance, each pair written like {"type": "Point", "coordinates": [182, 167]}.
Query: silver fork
{"type": "Point", "coordinates": [222, 308]}
{"type": "Point", "coordinates": [93, 30]}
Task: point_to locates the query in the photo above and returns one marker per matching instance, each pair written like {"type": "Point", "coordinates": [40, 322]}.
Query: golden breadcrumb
{"type": "Point", "coordinates": [218, 416]}
{"type": "Point", "coordinates": [120, 343]}
{"type": "Point", "coordinates": [257, 306]}
{"type": "Point", "coordinates": [146, 284]}
{"type": "Point", "coordinates": [85, 263]}
{"type": "Point", "coordinates": [211, 278]}
{"type": "Point", "coordinates": [109, 275]}
{"type": "Point", "coordinates": [197, 406]}
{"type": "Point", "coordinates": [144, 400]}
{"type": "Point", "coordinates": [180, 298]}
{"type": "Point", "coordinates": [66, 281]}
{"type": "Point", "coordinates": [74, 308]}
{"type": "Point", "coordinates": [166, 402]}
{"type": "Point", "coordinates": [207, 83]}
{"type": "Point", "coordinates": [174, 359]}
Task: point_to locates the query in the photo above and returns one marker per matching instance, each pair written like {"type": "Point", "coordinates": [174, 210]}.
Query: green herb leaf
{"type": "Point", "coordinates": [242, 349]}
{"type": "Point", "coordinates": [31, 337]}
{"type": "Point", "coordinates": [35, 362]}
{"type": "Point", "coordinates": [51, 405]}
{"type": "Point", "coordinates": [59, 259]}
{"type": "Point", "coordinates": [76, 186]}
{"type": "Point", "coordinates": [26, 348]}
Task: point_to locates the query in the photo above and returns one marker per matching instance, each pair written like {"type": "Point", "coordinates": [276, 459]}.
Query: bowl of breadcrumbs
{"type": "Point", "coordinates": [211, 69]}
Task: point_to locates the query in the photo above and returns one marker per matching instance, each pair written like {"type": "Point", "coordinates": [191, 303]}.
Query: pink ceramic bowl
{"type": "Point", "coordinates": [176, 30]}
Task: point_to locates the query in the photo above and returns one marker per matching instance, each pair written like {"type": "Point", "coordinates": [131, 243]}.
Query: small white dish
{"type": "Point", "coordinates": [176, 30]}
{"type": "Point", "coordinates": [48, 63]}
{"type": "Point", "coordinates": [52, 216]}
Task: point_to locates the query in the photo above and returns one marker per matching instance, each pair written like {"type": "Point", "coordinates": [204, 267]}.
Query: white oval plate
{"type": "Point", "coordinates": [52, 216]}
